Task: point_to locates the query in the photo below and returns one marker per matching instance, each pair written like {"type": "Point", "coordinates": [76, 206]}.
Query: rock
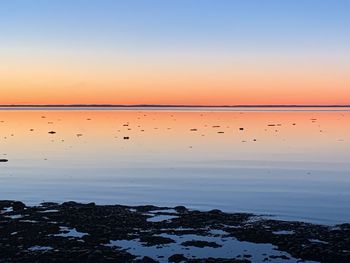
{"type": "Point", "coordinates": [18, 206]}
{"type": "Point", "coordinates": [215, 211]}
{"type": "Point", "coordinates": [181, 209]}
{"type": "Point", "coordinates": [147, 260]}
{"type": "Point", "coordinates": [156, 240]}
{"type": "Point", "coordinates": [177, 258]}
{"type": "Point", "coordinates": [200, 243]}
{"type": "Point", "coordinates": [38, 226]}
{"type": "Point", "coordinates": [3, 160]}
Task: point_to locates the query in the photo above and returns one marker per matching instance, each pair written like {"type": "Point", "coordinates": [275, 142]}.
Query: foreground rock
{"type": "Point", "coordinates": [73, 232]}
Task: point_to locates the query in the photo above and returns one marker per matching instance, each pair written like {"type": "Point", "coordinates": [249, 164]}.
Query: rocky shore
{"type": "Point", "coordinates": [73, 232]}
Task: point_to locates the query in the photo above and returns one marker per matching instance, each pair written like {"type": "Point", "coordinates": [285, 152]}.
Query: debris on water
{"type": "Point", "coordinates": [52, 132]}
{"type": "Point", "coordinates": [126, 137]}
{"type": "Point", "coordinates": [3, 160]}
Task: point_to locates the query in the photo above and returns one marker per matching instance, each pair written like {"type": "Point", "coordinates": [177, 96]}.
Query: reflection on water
{"type": "Point", "coordinates": [292, 164]}
{"type": "Point", "coordinates": [225, 247]}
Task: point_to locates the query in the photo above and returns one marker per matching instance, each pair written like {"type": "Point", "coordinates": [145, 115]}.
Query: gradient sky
{"type": "Point", "coordinates": [175, 52]}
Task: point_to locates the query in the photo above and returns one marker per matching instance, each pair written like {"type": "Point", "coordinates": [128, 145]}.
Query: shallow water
{"type": "Point", "coordinates": [228, 248]}
{"type": "Point", "coordinates": [289, 163]}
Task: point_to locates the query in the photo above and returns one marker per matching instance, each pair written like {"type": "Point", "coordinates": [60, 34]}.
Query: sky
{"type": "Point", "coordinates": [188, 52]}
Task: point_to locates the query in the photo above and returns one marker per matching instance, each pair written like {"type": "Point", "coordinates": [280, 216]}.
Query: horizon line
{"type": "Point", "coordinates": [177, 105]}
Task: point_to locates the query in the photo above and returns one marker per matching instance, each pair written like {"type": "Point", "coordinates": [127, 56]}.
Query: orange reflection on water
{"type": "Point", "coordinates": [183, 133]}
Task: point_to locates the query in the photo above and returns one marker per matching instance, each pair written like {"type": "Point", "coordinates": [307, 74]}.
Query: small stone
{"type": "Point", "coordinates": [18, 206]}
{"type": "Point", "coordinates": [181, 209]}
{"type": "Point", "coordinates": [177, 258]}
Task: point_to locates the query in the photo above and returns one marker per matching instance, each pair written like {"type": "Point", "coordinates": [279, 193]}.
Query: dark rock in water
{"type": "Point", "coordinates": [177, 258]}
{"type": "Point", "coordinates": [201, 244]}
{"type": "Point", "coordinates": [3, 160]}
{"type": "Point", "coordinates": [215, 211]}
{"type": "Point", "coordinates": [18, 206]}
{"type": "Point", "coordinates": [181, 209]}
{"type": "Point", "coordinates": [241, 129]}
{"type": "Point", "coordinates": [218, 260]}
{"type": "Point", "coordinates": [156, 240]}
{"type": "Point", "coordinates": [51, 132]}
{"type": "Point", "coordinates": [146, 260]}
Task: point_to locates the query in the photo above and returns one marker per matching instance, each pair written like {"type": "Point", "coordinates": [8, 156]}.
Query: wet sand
{"type": "Point", "coordinates": [72, 231]}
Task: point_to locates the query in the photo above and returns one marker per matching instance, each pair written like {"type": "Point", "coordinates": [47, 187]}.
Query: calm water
{"type": "Point", "coordinates": [293, 164]}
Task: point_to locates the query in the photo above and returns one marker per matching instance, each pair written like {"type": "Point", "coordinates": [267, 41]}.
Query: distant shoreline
{"type": "Point", "coordinates": [167, 106]}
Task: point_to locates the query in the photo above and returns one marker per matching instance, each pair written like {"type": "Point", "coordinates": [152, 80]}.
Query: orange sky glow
{"type": "Point", "coordinates": [175, 53]}
{"type": "Point", "coordinates": [173, 83]}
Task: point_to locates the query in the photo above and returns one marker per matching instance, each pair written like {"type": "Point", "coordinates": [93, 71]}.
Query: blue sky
{"type": "Point", "coordinates": [280, 48]}
{"type": "Point", "coordinates": [303, 24]}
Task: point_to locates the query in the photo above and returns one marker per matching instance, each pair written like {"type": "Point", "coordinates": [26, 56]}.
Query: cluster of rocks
{"type": "Point", "coordinates": [39, 233]}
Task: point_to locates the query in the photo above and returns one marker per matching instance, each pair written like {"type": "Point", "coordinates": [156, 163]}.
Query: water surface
{"type": "Point", "coordinates": [290, 163]}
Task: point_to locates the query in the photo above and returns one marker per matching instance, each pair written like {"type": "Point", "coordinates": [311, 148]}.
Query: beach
{"type": "Point", "coordinates": [71, 232]}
